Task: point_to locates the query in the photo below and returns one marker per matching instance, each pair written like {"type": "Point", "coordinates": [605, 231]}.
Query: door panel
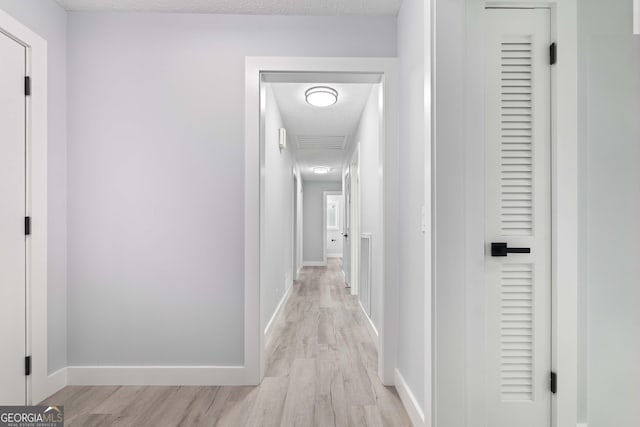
{"type": "Point", "coordinates": [12, 212]}
{"type": "Point", "coordinates": [346, 247]}
{"type": "Point", "coordinates": [518, 213]}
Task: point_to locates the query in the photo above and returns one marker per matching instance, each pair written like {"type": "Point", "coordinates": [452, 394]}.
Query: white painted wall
{"type": "Point", "coordinates": [49, 20]}
{"type": "Point", "coordinates": [156, 170]}
{"type": "Point", "coordinates": [413, 42]}
{"type": "Point", "coordinates": [368, 138]}
{"type": "Point", "coordinates": [334, 248]}
{"type": "Point", "coordinates": [312, 218]}
{"type": "Point", "coordinates": [277, 266]}
{"type": "Point", "coordinates": [609, 79]}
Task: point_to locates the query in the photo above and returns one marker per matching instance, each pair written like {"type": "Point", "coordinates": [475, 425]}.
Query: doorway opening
{"type": "Point", "coordinates": [298, 231]}
{"type": "Point", "coordinates": [333, 149]}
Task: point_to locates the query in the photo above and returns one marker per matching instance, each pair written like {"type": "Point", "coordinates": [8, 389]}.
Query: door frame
{"type": "Point", "coordinates": [564, 190]}
{"type": "Point", "coordinates": [39, 383]}
{"type": "Point", "coordinates": [386, 68]}
{"type": "Point", "coordinates": [324, 221]}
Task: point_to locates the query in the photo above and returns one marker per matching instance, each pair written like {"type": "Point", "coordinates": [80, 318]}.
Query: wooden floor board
{"type": "Point", "coordinates": [321, 370]}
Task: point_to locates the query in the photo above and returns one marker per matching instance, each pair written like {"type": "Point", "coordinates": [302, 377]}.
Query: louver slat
{"type": "Point", "coordinates": [516, 163]}
{"type": "Point", "coordinates": [516, 332]}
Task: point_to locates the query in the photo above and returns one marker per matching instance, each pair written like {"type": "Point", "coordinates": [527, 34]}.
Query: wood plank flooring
{"type": "Point", "coordinates": [321, 371]}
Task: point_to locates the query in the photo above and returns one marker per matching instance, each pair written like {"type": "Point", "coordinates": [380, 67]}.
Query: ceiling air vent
{"type": "Point", "coordinates": [314, 142]}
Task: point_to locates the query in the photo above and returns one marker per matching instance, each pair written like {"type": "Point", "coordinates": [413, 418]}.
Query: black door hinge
{"type": "Point", "coordinates": [553, 385]}
{"type": "Point", "coordinates": [553, 54]}
{"type": "Point", "coordinates": [27, 225]}
{"type": "Point", "coordinates": [27, 365]}
{"type": "Point", "coordinates": [27, 85]}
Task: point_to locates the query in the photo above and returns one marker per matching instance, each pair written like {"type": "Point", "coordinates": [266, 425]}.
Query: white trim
{"type": "Point", "coordinates": [636, 17]}
{"type": "Point", "coordinates": [36, 47]}
{"type": "Point", "coordinates": [429, 218]}
{"type": "Point", "coordinates": [314, 264]}
{"type": "Point", "coordinates": [324, 222]}
{"type": "Point", "coordinates": [373, 331]}
{"type": "Point", "coordinates": [385, 67]}
{"type": "Point", "coordinates": [416, 415]}
{"type": "Point", "coordinates": [276, 314]}
{"type": "Point", "coordinates": [156, 375]}
{"type": "Point", "coordinates": [56, 382]}
{"type": "Point", "coordinates": [582, 425]}
{"type": "Point", "coordinates": [335, 255]}
{"type": "Point", "coordinates": [564, 197]}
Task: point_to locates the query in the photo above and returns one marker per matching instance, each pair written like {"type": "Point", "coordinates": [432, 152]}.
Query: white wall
{"type": "Point", "coordinates": [368, 138]}
{"type": "Point", "coordinates": [312, 218]}
{"type": "Point", "coordinates": [277, 266]}
{"type": "Point", "coordinates": [49, 20]}
{"type": "Point", "coordinates": [609, 79]}
{"type": "Point", "coordinates": [156, 167]}
{"type": "Point", "coordinates": [413, 43]}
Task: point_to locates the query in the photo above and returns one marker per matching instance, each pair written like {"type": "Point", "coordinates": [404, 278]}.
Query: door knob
{"type": "Point", "coordinates": [345, 235]}
{"type": "Point", "coordinates": [501, 249]}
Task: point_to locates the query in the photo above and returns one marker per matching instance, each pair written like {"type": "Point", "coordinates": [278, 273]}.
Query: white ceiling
{"type": "Point", "coordinates": [270, 7]}
{"type": "Point", "coordinates": [323, 125]}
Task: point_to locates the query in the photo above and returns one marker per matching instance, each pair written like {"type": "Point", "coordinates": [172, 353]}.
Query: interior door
{"type": "Point", "coordinates": [518, 217]}
{"type": "Point", "coordinates": [354, 227]}
{"type": "Point", "coordinates": [12, 213]}
{"type": "Point", "coordinates": [346, 247]}
{"type": "Point", "coordinates": [294, 231]}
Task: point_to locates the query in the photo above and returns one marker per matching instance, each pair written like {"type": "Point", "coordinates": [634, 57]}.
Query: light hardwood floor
{"type": "Point", "coordinates": [321, 371]}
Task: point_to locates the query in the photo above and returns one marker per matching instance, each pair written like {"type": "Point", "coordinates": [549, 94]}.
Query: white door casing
{"type": "Point", "coordinates": [12, 213]}
{"type": "Point", "coordinates": [518, 213]}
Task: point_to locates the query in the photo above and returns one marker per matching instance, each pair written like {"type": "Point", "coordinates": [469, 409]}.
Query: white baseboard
{"type": "Point", "coordinates": [409, 401]}
{"type": "Point", "coordinates": [373, 331]}
{"type": "Point", "coordinates": [582, 425]}
{"type": "Point", "coordinates": [314, 264]}
{"type": "Point", "coordinates": [268, 330]}
{"type": "Point", "coordinates": [337, 255]}
{"type": "Point", "coordinates": [54, 383]}
{"type": "Point", "coordinates": [157, 375]}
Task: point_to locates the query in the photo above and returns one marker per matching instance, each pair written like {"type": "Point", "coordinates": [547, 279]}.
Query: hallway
{"type": "Point", "coordinates": [321, 371]}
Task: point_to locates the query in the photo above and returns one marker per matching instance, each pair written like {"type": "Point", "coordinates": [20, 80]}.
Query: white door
{"type": "Point", "coordinates": [334, 223]}
{"type": "Point", "coordinates": [346, 257]}
{"type": "Point", "coordinates": [518, 214]}
{"type": "Point", "coordinates": [294, 230]}
{"type": "Point", "coordinates": [12, 213]}
{"type": "Point", "coordinates": [355, 222]}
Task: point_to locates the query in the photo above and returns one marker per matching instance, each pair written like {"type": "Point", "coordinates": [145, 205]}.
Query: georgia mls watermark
{"type": "Point", "coordinates": [31, 416]}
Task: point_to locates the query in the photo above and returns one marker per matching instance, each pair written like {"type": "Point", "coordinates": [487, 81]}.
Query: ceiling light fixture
{"type": "Point", "coordinates": [321, 170]}
{"type": "Point", "coordinates": [321, 96]}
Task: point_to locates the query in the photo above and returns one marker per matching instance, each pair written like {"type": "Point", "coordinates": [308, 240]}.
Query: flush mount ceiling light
{"type": "Point", "coordinates": [321, 170]}
{"type": "Point", "coordinates": [321, 96]}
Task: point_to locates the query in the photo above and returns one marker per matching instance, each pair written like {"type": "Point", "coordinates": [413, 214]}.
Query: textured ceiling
{"type": "Point", "coordinates": [325, 125]}
{"type": "Point", "coordinates": [270, 7]}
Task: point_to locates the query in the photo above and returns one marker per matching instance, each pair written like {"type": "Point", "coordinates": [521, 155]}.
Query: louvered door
{"type": "Point", "coordinates": [518, 213]}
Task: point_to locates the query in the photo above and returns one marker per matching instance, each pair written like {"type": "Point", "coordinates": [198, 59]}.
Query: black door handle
{"type": "Point", "coordinates": [501, 249]}
{"type": "Point", "coordinates": [346, 235]}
